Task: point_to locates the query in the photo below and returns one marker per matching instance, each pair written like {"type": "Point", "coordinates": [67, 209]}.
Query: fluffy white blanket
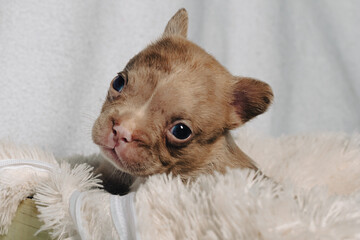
{"type": "Point", "coordinates": [313, 193]}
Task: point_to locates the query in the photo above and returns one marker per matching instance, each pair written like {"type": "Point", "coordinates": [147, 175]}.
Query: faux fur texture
{"type": "Point", "coordinates": [18, 183]}
{"type": "Point", "coordinates": [315, 195]}
{"type": "Point", "coordinates": [52, 199]}
{"type": "Point", "coordinates": [233, 206]}
{"type": "Point", "coordinates": [331, 160]}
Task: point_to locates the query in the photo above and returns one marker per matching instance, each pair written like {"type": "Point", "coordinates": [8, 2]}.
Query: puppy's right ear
{"type": "Point", "coordinates": [251, 97]}
{"type": "Point", "coordinates": [178, 24]}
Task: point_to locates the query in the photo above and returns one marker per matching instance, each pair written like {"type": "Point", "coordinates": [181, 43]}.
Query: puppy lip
{"type": "Point", "coordinates": [113, 154]}
{"type": "Point", "coordinates": [110, 154]}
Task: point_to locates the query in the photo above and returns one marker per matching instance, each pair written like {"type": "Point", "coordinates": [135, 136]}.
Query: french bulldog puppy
{"type": "Point", "coordinates": [171, 108]}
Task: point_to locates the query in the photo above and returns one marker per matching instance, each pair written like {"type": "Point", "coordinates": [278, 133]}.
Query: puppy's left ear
{"type": "Point", "coordinates": [178, 24]}
{"type": "Point", "coordinates": [251, 97]}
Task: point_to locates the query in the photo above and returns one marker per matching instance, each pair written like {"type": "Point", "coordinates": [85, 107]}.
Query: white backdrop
{"type": "Point", "coordinates": [57, 59]}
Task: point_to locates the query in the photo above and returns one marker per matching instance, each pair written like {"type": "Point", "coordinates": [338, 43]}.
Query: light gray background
{"type": "Point", "coordinates": [57, 59]}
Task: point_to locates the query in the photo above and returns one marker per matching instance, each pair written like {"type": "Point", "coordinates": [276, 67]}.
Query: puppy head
{"type": "Point", "coordinates": [171, 104]}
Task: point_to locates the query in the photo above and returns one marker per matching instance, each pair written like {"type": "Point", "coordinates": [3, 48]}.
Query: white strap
{"type": "Point", "coordinates": [75, 212]}
{"type": "Point", "coordinates": [20, 163]}
{"type": "Point", "coordinates": [121, 207]}
{"type": "Point", "coordinates": [123, 215]}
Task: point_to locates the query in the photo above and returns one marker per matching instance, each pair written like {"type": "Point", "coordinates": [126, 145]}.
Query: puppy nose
{"type": "Point", "coordinates": [121, 133]}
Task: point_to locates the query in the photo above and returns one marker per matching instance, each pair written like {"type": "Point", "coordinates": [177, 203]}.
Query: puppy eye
{"type": "Point", "coordinates": [118, 83]}
{"type": "Point", "coordinates": [181, 131]}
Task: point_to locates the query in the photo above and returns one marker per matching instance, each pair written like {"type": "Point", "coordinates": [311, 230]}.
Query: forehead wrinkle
{"type": "Point", "coordinates": [156, 89]}
{"type": "Point", "coordinates": [141, 112]}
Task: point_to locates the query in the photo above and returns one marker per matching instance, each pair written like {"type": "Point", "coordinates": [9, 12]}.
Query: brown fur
{"type": "Point", "coordinates": [175, 80]}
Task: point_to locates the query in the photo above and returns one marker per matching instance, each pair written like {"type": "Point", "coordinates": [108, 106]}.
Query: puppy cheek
{"type": "Point", "coordinates": [101, 129]}
{"type": "Point", "coordinates": [134, 157]}
{"type": "Point", "coordinates": [153, 164]}
{"type": "Point", "coordinates": [96, 133]}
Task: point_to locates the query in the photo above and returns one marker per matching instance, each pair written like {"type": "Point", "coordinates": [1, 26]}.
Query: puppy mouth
{"type": "Point", "coordinates": [111, 155]}
{"type": "Point", "coordinates": [120, 159]}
